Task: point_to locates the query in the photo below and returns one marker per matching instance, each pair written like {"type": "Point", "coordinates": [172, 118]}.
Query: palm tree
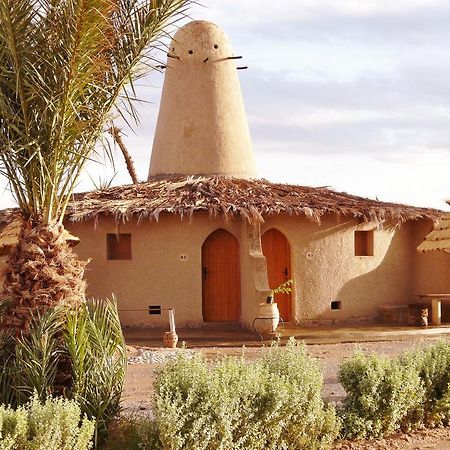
{"type": "Point", "coordinates": [66, 67]}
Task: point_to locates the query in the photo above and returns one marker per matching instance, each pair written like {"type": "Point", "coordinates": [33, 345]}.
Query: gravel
{"type": "Point", "coordinates": [157, 356]}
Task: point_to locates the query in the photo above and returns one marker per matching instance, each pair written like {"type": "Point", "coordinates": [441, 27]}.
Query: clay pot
{"type": "Point", "coordinates": [268, 319]}
{"type": "Point", "coordinates": [170, 339]}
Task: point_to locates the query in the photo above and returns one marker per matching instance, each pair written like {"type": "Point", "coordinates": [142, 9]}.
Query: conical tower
{"type": "Point", "coordinates": [202, 127]}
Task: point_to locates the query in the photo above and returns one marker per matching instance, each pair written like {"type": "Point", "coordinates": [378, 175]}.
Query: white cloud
{"type": "Point", "coordinates": [268, 12]}
{"type": "Point", "coordinates": [410, 182]}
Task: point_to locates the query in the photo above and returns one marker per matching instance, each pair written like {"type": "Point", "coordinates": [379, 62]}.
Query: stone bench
{"type": "Point", "coordinates": [397, 314]}
{"type": "Point", "coordinates": [409, 314]}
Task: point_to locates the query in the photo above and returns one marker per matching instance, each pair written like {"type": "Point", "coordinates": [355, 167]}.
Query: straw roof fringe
{"type": "Point", "coordinates": [230, 198]}
{"type": "Point", "coordinates": [233, 197]}
{"type": "Point", "coordinates": [439, 238]}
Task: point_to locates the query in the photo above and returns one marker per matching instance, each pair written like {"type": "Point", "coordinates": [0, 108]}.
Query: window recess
{"type": "Point", "coordinates": [118, 246]}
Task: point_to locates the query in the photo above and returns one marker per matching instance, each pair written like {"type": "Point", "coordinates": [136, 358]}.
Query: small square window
{"type": "Point", "coordinates": [118, 246]}
{"type": "Point", "coordinates": [336, 304]}
{"type": "Point", "coordinates": [364, 243]}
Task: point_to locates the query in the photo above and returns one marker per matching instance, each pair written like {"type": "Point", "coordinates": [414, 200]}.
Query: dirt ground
{"type": "Point", "coordinates": [139, 380]}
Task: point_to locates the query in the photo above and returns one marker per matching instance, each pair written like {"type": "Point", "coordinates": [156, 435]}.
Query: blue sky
{"type": "Point", "coordinates": [351, 94]}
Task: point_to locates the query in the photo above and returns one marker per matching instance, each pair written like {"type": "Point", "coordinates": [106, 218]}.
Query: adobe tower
{"type": "Point", "coordinates": [202, 127]}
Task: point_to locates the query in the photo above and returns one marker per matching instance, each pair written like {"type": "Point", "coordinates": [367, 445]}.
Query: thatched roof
{"type": "Point", "coordinates": [232, 197]}
{"type": "Point", "coordinates": [439, 238]}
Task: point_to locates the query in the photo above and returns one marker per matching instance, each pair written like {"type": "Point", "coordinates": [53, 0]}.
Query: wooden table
{"type": "Point", "coordinates": [436, 309]}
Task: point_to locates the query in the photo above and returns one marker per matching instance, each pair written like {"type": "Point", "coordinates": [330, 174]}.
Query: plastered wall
{"type": "Point", "coordinates": [322, 259]}
{"type": "Point", "coordinates": [431, 269]}
{"type": "Point", "coordinates": [255, 287]}
{"type": "Point", "coordinates": [325, 268]}
{"type": "Point", "coordinates": [165, 268]}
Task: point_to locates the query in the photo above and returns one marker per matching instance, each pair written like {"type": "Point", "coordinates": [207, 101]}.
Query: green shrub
{"type": "Point", "coordinates": [76, 353]}
{"type": "Point", "coordinates": [441, 412]}
{"type": "Point", "coordinates": [95, 343]}
{"type": "Point", "coordinates": [274, 403]}
{"type": "Point", "coordinates": [296, 380]}
{"type": "Point", "coordinates": [433, 367]}
{"type": "Point", "coordinates": [37, 356]}
{"type": "Point", "coordinates": [382, 395]}
{"type": "Point", "coordinates": [55, 424]}
{"type": "Point", "coordinates": [29, 363]}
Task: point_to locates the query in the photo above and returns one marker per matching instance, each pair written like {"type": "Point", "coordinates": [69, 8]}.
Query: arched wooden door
{"type": "Point", "coordinates": [221, 278]}
{"type": "Point", "coordinates": [277, 251]}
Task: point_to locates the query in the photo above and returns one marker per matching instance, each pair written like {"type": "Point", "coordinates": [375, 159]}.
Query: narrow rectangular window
{"type": "Point", "coordinates": [118, 246]}
{"type": "Point", "coordinates": [364, 243]}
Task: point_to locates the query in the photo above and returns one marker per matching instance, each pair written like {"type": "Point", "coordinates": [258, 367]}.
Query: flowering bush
{"type": "Point", "coordinates": [79, 353]}
{"type": "Point", "coordinates": [274, 403]}
{"type": "Point", "coordinates": [433, 367]}
{"type": "Point", "coordinates": [382, 395]}
{"type": "Point", "coordinates": [55, 424]}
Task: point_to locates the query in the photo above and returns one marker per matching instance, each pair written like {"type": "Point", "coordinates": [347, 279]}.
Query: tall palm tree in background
{"type": "Point", "coordinates": [66, 66]}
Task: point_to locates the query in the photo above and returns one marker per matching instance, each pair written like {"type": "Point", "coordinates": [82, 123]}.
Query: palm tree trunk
{"type": "Point", "coordinates": [42, 271]}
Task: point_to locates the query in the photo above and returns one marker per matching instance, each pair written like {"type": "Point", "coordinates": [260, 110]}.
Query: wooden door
{"type": "Point", "coordinates": [277, 251]}
{"type": "Point", "coordinates": [221, 278]}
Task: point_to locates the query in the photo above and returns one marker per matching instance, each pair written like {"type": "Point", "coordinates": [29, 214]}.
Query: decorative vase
{"type": "Point", "coordinates": [170, 339]}
{"type": "Point", "coordinates": [268, 319]}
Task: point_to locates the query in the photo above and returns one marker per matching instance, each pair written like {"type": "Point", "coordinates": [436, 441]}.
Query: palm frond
{"type": "Point", "coordinates": [96, 346]}
{"type": "Point", "coordinates": [65, 67]}
{"type": "Point", "coordinates": [37, 355]}
{"type": "Point", "coordinates": [7, 371]}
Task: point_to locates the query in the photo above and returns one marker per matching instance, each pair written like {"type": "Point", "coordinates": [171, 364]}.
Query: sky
{"type": "Point", "coordinates": [350, 94]}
